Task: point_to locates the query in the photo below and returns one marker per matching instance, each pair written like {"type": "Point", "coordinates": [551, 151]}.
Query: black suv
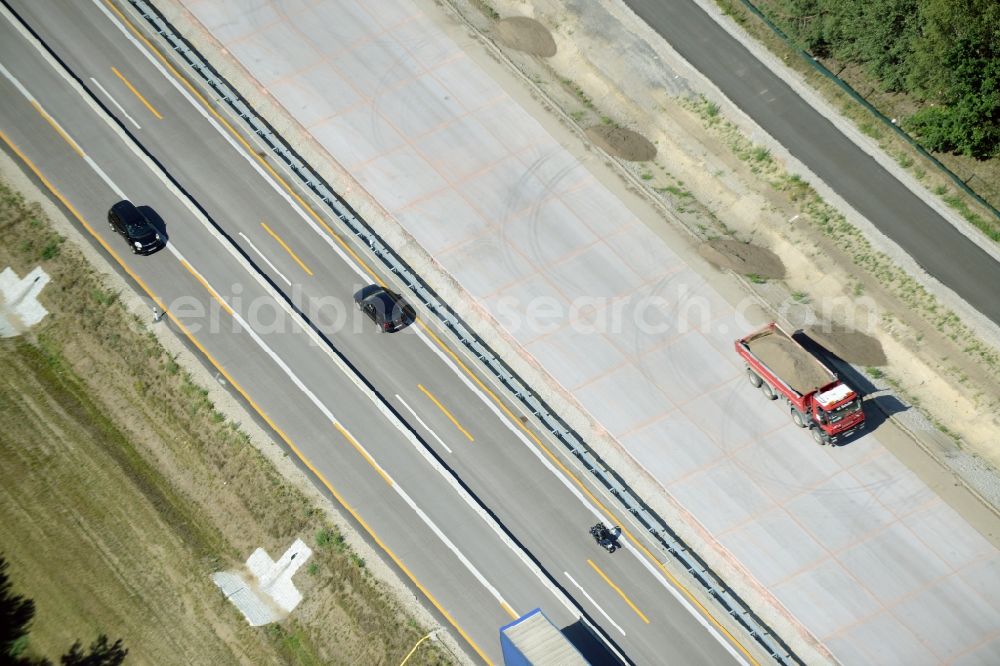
{"type": "Point", "coordinates": [387, 309]}
{"type": "Point", "coordinates": [127, 220]}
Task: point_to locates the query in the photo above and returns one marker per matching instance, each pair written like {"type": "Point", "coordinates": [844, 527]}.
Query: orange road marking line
{"type": "Point", "coordinates": [250, 401]}
{"type": "Point", "coordinates": [361, 262]}
{"type": "Point", "coordinates": [510, 611]}
{"type": "Point", "coordinates": [364, 454]}
{"type": "Point", "coordinates": [446, 412]}
{"type": "Point", "coordinates": [586, 491]}
{"type": "Point", "coordinates": [59, 130]}
{"type": "Point", "coordinates": [619, 591]}
{"type": "Point", "coordinates": [287, 249]}
{"type": "Point", "coordinates": [136, 93]}
{"type": "Point", "coordinates": [246, 145]}
{"type": "Point", "coordinates": [225, 306]}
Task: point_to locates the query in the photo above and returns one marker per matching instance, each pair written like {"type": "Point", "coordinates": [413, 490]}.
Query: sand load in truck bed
{"type": "Point", "coordinates": [790, 362]}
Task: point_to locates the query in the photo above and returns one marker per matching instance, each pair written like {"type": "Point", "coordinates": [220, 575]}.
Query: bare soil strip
{"type": "Point", "coordinates": [711, 179]}
{"type": "Point", "coordinates": [852, 346]}
{"type": "Point", "coordinates": [742, 258]}
{"type": "Point", "coordinates": [622, 143]}
{"type": "Point", "coordinates": [527, 35]}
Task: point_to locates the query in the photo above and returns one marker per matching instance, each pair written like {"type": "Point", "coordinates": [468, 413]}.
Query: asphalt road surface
{"type": "Point", "coordinates": [478, 513]}
{"type": "Point", "coordinates": [936, 245]}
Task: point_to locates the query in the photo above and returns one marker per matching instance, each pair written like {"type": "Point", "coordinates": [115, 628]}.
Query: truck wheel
{"type": "Point", "coordinates": [754, 378]}
{"type": "Point", "coordinates": [768, 391]}
{"type": "Point", "coordinates": [798, 419]}
{"type": "Point", "coordinates": [818, 436]}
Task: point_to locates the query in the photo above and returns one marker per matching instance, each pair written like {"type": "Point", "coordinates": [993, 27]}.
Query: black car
{"type": "Point", "coordinates": [135, 227]}
{"type": "Point", "coordinates": [385, 308]}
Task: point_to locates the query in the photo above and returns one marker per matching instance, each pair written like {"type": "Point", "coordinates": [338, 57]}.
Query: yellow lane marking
{"type": "Point", "coordinates": [586, 491]}
{"type": "Point", "coordinates": [58, 128]}
{"type": "Point", "coordinates": [375, 278]}
{"type": "Point", "coordinates": [364, 454]}
{"type": "Point", "coordinates": [250, 401]}
{"type": "Point", "coordinates": [208, 288]}
{"type": "Point", "coordinates": [287, 249]}
{"type": "Point", "coordinates": [246, 145]}
{"type": "Point", "coordinates": [618, 590]}
{"type": "Point", "coordinates": [510, 611]}
{"type": "Point", "coordinates": [136, 93]}
{"type": "Point", "coordinates": [446, 412]}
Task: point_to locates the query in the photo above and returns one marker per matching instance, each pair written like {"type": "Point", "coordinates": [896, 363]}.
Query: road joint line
{"type": "Point", "coordinates": [361, 264]}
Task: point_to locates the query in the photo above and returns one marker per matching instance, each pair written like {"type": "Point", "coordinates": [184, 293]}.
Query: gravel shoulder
{"type": "Point", "coordinates": [130, 476]}
{"type": "Point", "coordinates": [717, 185]}
{"type": "Point", "coordinates": [710, 182]}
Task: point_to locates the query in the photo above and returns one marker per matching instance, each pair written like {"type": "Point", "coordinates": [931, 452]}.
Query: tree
{"type": "Point", "coordinates": [968, 119]}
{"type": "Point", "coordinates": [16, 614]}
{"type": "Point", "coordinates": [100, 654]}
{"type": "Point", "coordinates": [944, 53]}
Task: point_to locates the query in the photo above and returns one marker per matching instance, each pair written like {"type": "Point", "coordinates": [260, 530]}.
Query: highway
{"type": "Point", "coordinates": [871, 190]}
{"type": "Point", "coordinates": [484, 519]}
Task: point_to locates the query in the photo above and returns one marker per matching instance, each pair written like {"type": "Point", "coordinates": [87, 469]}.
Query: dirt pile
{"type": "Point", "coordinates": [742, 258]}
{"type": "Point", "coordinates": [622, 143]}
{"type": "Point", "coordinates": [791, 363]}
{"type": "Point", "coordinates": [850, 345]}
{"type": "Point", "coordinates": [526, 34]}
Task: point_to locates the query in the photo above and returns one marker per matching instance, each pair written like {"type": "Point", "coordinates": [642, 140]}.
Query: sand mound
{"type": "Point", "coordinates": [743, 258]}
{"type": "Point", "coordinates": [850, 345]}
{"type": "Point", "coordinates": [791, 363]}
{"type": "Point", "coordinates": [622, 143]}
{"type": "Point", "coordinates": [526, 34]}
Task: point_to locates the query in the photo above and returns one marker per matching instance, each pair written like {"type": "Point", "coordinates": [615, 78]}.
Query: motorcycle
{"type": "Point", "coordinates": [604, 537]}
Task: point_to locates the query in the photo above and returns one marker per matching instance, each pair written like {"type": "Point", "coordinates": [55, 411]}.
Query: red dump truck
{"type": "Point", "coordinates": [778, 365]}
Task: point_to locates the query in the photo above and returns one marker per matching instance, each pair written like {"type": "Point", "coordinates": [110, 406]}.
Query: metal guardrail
{"type": "Point", "coordinates": [731, 603]}
{"type": "Point", "coordinates": [900, 132]}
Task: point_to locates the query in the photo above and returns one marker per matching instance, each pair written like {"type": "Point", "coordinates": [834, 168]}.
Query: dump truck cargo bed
{"type": "Point", "coordinates": [788, 360]}
{"type": "Point", "coordinates": [817, 400]}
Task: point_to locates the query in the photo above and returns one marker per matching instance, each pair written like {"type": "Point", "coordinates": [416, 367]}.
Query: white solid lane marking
{"type": "Point", "coordinates": [350, 263]}
{"type": "Point", "coordinates": [115, 102]}
{"type": "Point", "coordinates": [595, 604]}
{"type": "Point", "coordinates": [376, 400]}
{"type": "Point", "coordinates": [421, 422]}
{"type": "Point", "coordinates": [227, 137]}
{"type": "Point", "coordinates": [86, 158]}
{"type": "Point", "coordinates": [329, 415]}
{"type": "Point", "coordinates": [172, 248]}
{"type": "Point", "coordinates": [657, 575]}
{"type": "Point", "coordinates": [268, 261]}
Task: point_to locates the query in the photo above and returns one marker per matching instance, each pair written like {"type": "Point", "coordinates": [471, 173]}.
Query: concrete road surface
{"type": "Point", "coordinates": [485, 525]}
{"type": "Point", "coordinates": [856, 547]}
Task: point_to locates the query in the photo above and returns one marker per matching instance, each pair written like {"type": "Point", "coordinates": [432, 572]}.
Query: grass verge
{"type": "Point", "coordinates": [123, 489]}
